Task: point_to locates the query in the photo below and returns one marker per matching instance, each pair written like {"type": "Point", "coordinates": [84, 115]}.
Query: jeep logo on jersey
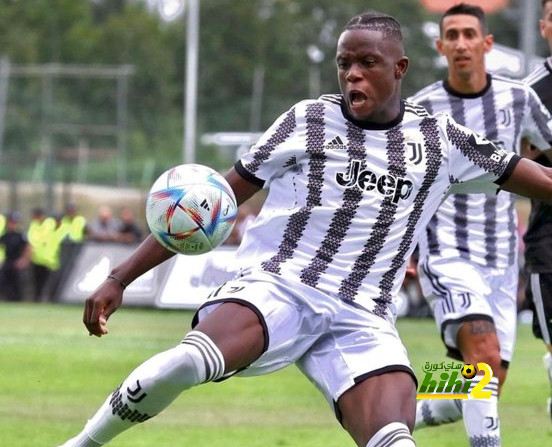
{"type": "Point", "coordinates": [386, 184]}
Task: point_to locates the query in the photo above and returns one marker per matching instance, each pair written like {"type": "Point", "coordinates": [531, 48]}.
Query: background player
{"type": "Point", "coordinates": [474, 235]}
{"type": "Point", "coordinates": [538, 237]}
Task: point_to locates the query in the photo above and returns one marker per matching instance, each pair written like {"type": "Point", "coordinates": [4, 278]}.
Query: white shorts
{"type": "Point", "coordinates": [458, 291]}
{"type": "Point", "coordinates": [334, 343]}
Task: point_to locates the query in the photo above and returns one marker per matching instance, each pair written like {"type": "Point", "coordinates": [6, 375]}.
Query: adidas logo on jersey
{"type": "Point", "coordinates": [336, 144]}
{"type": "Point", "coordinates": [387, 185]}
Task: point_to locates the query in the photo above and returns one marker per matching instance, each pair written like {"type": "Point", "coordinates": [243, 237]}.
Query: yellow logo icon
{"type": "Point", "coordinates": [449, 385]}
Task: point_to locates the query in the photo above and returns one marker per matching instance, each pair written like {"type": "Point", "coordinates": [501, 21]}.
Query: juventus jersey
{"type": "Point", "coordinates": [347, 202]}
{"type": "Point", "coordinates": [482, 228]}
{"type": "Point", "coordinates": [538, 237]}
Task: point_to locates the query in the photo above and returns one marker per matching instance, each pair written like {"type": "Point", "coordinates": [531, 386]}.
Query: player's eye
{"type": "Point", "coordinates": [451, 35]}
{"type": "Point", "coordinates": [342, 65]}
{"type": "Point", "coordinates": [369, 62]}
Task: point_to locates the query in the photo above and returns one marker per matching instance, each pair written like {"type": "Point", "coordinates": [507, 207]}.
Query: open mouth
{"type": "Point", "coordinates": [462, 59]}
{"type": "Point", "coordinates": [356, 98]}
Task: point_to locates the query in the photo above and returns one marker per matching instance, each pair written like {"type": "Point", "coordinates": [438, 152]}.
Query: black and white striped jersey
{"type": "Point", "coordinates": [540, 80]}
{"type": "Point", "coordinates": [538, 237]}
{"type": "Point", "coordinates": [347, 202]}
{"type": "Point", "coordinates": [482, 228]}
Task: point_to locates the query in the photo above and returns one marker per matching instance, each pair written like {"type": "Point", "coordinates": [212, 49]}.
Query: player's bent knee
{"type": "Point", "coordinates": [395, 434]}
{"type": "Point", "coordinates": [159, 380]}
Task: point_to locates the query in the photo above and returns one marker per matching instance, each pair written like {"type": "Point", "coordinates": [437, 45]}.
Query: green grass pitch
{"type": "Point", "coordinates": [53, 376]}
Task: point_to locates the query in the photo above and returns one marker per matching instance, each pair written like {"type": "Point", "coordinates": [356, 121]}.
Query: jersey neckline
{"type": "Point", "coordinates": [450, 90]}
{"type": "Point", "coordinates": [369, 125]}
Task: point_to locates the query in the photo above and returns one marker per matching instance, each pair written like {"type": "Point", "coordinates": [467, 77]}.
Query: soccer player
{"type": "Point", "coordinates": [538, 237]}
{"type": "Point", "coordinates": [327, 254]}
{"type": "Point", "coordinates": [468, 265]}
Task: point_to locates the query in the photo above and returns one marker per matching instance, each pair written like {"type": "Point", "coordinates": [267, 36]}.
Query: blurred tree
{"type": "Point", "coordinates": [253, 65]}
{"type": "Point", "coordinates": [276, 34]}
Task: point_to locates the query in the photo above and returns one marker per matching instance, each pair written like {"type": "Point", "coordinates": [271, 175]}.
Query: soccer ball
{"type": "Point", "coordinates": [468, 371]}
{"type": "Point", "coordinates": [191, 209]}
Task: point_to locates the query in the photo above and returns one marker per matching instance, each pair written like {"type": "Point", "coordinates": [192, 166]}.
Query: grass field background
{"type": "Point", "coordinates": [53, 376]}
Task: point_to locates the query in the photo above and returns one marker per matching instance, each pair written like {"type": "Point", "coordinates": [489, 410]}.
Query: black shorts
{"type": "Point", "coordinates": [539, 298]}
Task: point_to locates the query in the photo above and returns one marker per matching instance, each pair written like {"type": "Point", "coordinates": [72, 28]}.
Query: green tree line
{"type": "Point", "coordinates": [253, 64]}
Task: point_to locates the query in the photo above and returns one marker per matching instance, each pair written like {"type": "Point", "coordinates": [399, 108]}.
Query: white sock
{"type": "Point", "coordinates": [151, 387]}
{"type": "Point", "coordinates": [81, 440]}
{"type": "Point", "coordinates": [481, 416]}
{"type": "Point", "coordinates": [395, 434]}
{"type": "Point", "coordinates": [430, 412]}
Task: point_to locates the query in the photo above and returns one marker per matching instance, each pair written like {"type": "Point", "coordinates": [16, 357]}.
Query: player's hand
{"type": "Point", "coordinates": [100, 305]}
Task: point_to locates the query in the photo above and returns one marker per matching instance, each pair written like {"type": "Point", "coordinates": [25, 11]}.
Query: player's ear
{"type": "Point", "coordinates": [439, 46]}
{"type": "Point", "coordinates": [489, 41]}
{"type": "Point", "coordinates": [401, 67]}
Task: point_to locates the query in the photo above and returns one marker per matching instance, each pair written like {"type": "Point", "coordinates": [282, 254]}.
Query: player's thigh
{"type": "Point", "coordinates": [457, 292]}
{"type": "Point", "coordinates": [377, 401]}
{"type": "Point", "coordinates": [236, 331]}
{"type": "Point", "coordinates": [262, 323]}
{"type": "Point", "coordinates": [358, 345]}
{"type": "Point", "coordinates": [503, 302]}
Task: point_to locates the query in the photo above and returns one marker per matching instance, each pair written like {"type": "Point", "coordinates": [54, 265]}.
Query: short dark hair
{"type": "Point", "coordinates": [376, 21]}
{"type": "Point", "coordinates": [464, 8]}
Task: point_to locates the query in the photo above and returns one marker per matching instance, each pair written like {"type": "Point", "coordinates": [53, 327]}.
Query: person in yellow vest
{"type": "Point", "coordinates": [74, 224]}
{"type": "Point", "coordinates": [55, 257]}
{"type": "Point", "coordinates": [70, 232]}
{"type": "Point", "coordinates": [40, 230]}
{"type": "Point", "coordinates": [3, 221]}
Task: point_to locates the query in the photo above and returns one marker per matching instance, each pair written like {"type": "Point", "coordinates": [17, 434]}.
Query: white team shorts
{"type": "Point", "coordinates": [334, 343]}
{"type": "Point", "coordinates": [458, 291]}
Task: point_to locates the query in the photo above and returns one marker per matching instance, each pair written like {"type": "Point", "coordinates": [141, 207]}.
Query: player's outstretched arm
{"type": "Point", "coordinates": [107, 298]}
{"type": "Point", "coordinates": [243, 189]}
{"type": "Point", "coordinates": [531, 180]}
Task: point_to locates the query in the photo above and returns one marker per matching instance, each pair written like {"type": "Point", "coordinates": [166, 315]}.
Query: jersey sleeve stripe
{"type": "Point", "coordinates": [509, 169]}
{"type": "Point", "coordinates": [238, 166]}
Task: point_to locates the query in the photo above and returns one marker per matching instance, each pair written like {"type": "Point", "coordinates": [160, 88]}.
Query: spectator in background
{"type": "Point", "coordinates": [3, 221]}
{"type": "Point", "coordinates": [40, 230]}
{"type": "Point", "coordinates": [53, 256]}
{"type": "Point", "coordinates": [129, 230]}
{"type": "Point", "coordinates": [17, 258]}
{"type": "Point", "coordinates": [74, 224]}
{"type": "Point", "coordinates": [105, 227]}
{"type": "Point", "coordinates": [74, 228]}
